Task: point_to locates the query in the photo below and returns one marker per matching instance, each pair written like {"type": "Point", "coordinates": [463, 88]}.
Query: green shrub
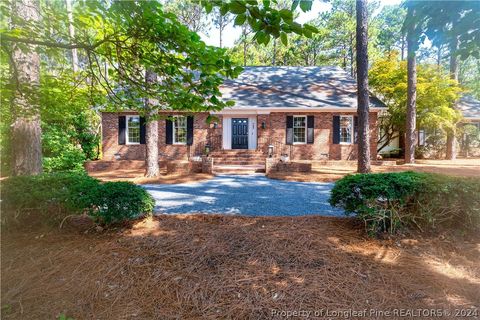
{"type": "Point", "coordinates": [60, 153]}
{"type": "Point", "coordinates": [56, 195]}
{"type": "Point", "coordinates": [120, 201]}
{"type": "Point", "coordinates": [53, 193]}
{"type": "Point", "coordinates": [387, 201]}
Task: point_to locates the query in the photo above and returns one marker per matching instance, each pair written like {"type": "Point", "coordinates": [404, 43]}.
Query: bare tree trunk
{"type": "Point", "coordinates": [151, 132]}
{"type": "Point", "coordinates": [439, 55]}
{"type": "Point", "coordinates": [244, 30]}
{"type": "Point", "coordinates": [26, 131]}
{"type": "Point", "coordinates": [403, 48]}
{"type": "Point", "coordinates": [352, 72]}
{"type": "Point", "coordinates": [274, 62]}
{"type": "Point", "coordinates": [362, 87]}
{"type": "Point", "coordinates": [220, 27]}
{"type": "Point", "coordinates": [451, 138]}
{"type": "Point", "coordinates": [410, 134]}
{"type": "Point", "coordinates": [71, 32]}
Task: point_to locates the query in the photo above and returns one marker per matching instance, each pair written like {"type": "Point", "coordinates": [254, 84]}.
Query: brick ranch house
{"type": "Point", "coordinates": [292, 113]}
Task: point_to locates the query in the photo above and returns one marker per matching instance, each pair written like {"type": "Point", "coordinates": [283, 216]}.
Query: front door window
{"type": "Point", "coordinates": [240, 133]}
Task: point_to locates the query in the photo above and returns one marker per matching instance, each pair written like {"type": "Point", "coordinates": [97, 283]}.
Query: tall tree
{"type": "Point", "coordinates": [451, 153]}
{"type": "Point", "coordinates": [25, 130]}
{"type": "Point", "coordinates": [389, 22]}
{"type": "Point", "coordinates": [151, 130]}
{"type": "Point", "coordinates": [135, 36]}
{"type": "Point", "coordinates": [71, 32]}
{"type": "Point", "coordinates": [190, 14]}
{"type": "Point", "coordinates": [410, 133]}
{"type": "Point", "coordinates": [452, 22]}
{"type": "Point", "coordinates": [221, 21]}
{"type": "Point", "coordinates": [363, 165]}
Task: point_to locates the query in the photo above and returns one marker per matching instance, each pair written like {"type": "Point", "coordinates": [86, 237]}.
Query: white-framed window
{"type": "Point", "coordinates": [346, 129]}
{"type": "Point", "coordinates": [180, 130]}
{"type": "Point", "coordinates": [299, 129]}
{"type": "Point", "coordinates": [133, 130]}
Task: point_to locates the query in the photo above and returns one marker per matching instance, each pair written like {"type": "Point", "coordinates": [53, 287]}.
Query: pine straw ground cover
{"type": "Point", "coordinates": [331, 173]}
{"type": "Point", "coordinates": [229, 267]}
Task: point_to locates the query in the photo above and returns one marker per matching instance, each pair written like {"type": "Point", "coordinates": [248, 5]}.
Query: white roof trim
{"type": "Point", "coordinates": [293, 109]}
{"type": "Point", "coordinates": [267, 110]}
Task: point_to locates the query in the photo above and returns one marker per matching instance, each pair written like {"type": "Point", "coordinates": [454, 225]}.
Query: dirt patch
{"type": "Point", "coordinates": [210, 267]}
{"type": "Point", "coordinates": [137, 176]}
{"type": "Point", "coordinates": [330, 173]}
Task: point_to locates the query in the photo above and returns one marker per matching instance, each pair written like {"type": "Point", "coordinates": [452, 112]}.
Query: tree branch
{"type": "Point", "coordinates": [55, 44]}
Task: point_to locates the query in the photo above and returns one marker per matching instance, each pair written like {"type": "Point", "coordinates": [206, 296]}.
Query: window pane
{"type": "Point", "coordinates": [133, 130]}
{"type": "Point", "coordinates": [180, 130]}
{"type": "Point", "coordinates": [346, 128]}
{"type": "Point", "coordinates": [299, 129]}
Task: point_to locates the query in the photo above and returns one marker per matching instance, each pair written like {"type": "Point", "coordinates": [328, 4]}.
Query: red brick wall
{"type": "Point", "coordinates": [275, 128]}
{"type": "Point", "coordinates": [110, 145]}
{"type": "Point", "coordinates": [323, 146]}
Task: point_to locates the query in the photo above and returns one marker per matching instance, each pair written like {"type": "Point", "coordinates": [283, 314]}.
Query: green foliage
{"type": "Point", "coordinates": [470, 139]}
{"type": "Point", "coordinates": [436, 93]}
{"type": "Point", "coordinates": [266, 18]}
{"type": "Point", "coordinates": [54, 196]}
{"type": "Point", "coordinates": [119, 201]}
{"type": "Point", "coordinates": [60, 154]}
{"type": "Point", "coordinates": [388, 201]}
{"type": "Point", "coordinates": [443, 21]}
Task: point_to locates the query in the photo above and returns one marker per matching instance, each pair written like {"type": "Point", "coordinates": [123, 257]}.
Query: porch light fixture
{"type": "Point", "coordinates": [270, 151]}
{"type": "Point", "coordinates": [215, 125]}
{"type": "Point", "coordinates": [207, 149]}
{"type": "Point", "coordinates": [264, 125]}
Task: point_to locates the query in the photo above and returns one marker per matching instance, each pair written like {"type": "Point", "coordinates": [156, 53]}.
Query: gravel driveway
{"type": "Point", "coordinates": [246, 195]}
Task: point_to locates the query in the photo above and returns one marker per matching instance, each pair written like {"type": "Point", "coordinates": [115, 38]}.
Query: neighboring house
{"type": "Point", "coordinates": [470, 108]}
{"type": "Point", "coordinates": [305, 113]}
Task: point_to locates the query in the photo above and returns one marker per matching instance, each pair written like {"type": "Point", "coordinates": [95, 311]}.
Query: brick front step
{"type": "Point", "coordinates": [238, 153]}
{"type": "Point", "coordinates": [238, 162]}
{"type": "Point", "coordinates": [235, 169]}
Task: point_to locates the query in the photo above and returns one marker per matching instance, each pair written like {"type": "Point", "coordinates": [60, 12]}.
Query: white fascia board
{"type": "Point", "coordinates": [303, 110]}
{"type": "Point", "coordinates": [238, 111]}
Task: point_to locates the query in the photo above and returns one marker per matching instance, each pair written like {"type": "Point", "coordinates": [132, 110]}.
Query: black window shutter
{"type": "Point", "coordinates": [122, 123]}
{"type": "Point", "coordinates": [289, 129]}
{"type": "Point", "coordinates": [189, 130]}
{"type": "Point", "coordinates": [168, 131]}
{"type": "Point", "coordinates": [336, 130]}
{"type": "Point", "coordinates": [143, 130]}
{"type": "Point", "coordinates": [310, 128]}
{"type": "Point", "coordinates": [355, 129]}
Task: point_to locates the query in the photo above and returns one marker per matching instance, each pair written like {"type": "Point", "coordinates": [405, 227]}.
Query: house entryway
{"type": "Point", "coordinates": [240, 133]}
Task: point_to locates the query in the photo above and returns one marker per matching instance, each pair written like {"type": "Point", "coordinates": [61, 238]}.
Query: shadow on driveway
{"type": "Point", "coordinates": [253, 195]}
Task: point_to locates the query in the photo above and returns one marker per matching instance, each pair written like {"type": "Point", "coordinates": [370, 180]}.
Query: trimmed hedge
{"type": "Point", "coordinates": [119, 201]}
{"type": "Point", "coordinates": [388, 201]}
{"type": "Point", "coordinates": [56, 195]}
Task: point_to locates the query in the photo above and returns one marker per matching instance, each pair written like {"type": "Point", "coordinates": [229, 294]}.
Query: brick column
{"type": "Point", "coordinates": [207, 165]}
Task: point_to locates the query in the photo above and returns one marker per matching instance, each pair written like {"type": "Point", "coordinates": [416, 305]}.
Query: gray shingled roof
{"type": "Point", "coordinates": [469, 106]}
{"type": "Point", "coordinates": [299, 87]}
